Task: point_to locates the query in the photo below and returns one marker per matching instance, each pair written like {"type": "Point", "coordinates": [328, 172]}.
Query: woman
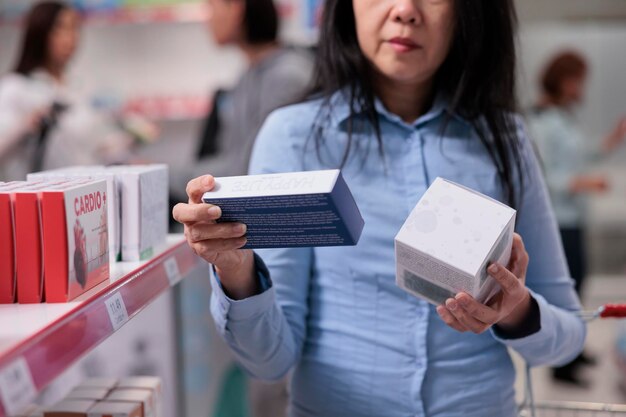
{"type": "Point", "coordinates": [567, 157]}
{"type": "Point", "coordinates": [44, 124]}
{"type": "Point", "coordinates": [408, 90]}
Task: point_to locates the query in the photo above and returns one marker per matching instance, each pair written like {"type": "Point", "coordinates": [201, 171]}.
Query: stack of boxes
{"type": "Point", "coordinates": [60, 230]}
{"type": "Point", "coordinates": [107, 397]}
{"type": "Point", "coordinates": [54, 239]}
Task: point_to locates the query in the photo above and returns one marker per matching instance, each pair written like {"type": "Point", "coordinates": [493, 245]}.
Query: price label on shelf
{"type": "Point", "coordinates": [117, 310]}
{"type": "Point", "coordinates": [172, 271]}
{"type": "Point", "coordinates": [17, 388]}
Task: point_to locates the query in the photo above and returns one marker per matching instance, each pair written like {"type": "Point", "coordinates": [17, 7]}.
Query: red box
{"type": "Point", "coordinates": [75, 238]}
{"type": "Point", "coordinates": [28, 242]}
{"type": "Point", "coordinates": [8, 275]}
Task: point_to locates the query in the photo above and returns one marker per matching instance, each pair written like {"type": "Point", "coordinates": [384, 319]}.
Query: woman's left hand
{"type": "Point", "coordinates": [506, 309]}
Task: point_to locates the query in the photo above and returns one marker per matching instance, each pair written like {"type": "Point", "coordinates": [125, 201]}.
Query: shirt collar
{"type": "Point", "coordinates": [340, 110]}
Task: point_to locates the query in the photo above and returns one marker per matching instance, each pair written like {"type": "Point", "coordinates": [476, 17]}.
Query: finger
{"type": "Point", "coordinates": [204, 231]}
{"type": "Point", "coordinates": [208, 249]}
{"type": "Point", "coordinates": [481, 312]}
{"type": "Point", "coordinates": [450, 320]}
{"type": "Point", "coordinates": [192, 213]}
{"type": "Point", "coordinates": [198, 186]}
{"type": "Point", "coordinates": [518, 264]}
{"type": "Point", "coordinates": [465, 318]}
{"type": "Point", "coordinates": [509, 283]}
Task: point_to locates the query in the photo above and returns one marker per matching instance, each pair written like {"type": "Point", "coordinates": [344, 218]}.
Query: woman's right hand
{"type": "Point", "coordinates": [217, 243]}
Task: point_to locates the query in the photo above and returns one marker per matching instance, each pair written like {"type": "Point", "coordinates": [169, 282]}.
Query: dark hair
{"type": "Point", "coordinates": [567, 64]}
{"type": "Point", "coordinates": [260, 21]}
{"type": "Point", "coordinates": [478, 77]}
{"type": "Point", "coordinates": [39, 24]}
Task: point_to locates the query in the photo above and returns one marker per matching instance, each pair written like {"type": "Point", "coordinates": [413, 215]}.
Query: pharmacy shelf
{"type": "Point", "coordinates": [172, 108]}
{"type": "Point", "coordinates": [182, 13]}
{"type": "Point", "coordinates": [197, 12]}
{"type": "Point", "coordinates": [38, 342]}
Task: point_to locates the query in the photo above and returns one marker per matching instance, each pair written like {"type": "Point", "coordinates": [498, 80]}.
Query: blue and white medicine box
{"type": "Point", "coordinates": [289, 210]}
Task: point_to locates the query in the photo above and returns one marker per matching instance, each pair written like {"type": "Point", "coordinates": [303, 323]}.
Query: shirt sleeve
{"type": "Point", "coordinates": [552, 138]}
{"type": "Point", "coordinates": [266, 332]}
{"type": "Point", "coordinates": [562, 333]}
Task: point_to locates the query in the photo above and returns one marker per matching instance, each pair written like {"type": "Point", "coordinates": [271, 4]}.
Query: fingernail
{"type": "Point", "coordinates": [494, 268]}
{"type": "Point", "coordinates": [240, 228]}
{"type": "Point", "coordinates": [462, 301]}
{"type": "Point", "coordinates": [206, 181]}
{"type": "Point", "coordinates": [451, 304]}
{"type": "Point", "coordinates": [215, 211]}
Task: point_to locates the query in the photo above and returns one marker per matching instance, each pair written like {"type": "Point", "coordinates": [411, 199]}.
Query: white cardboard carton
{"type": "Point", "coordinates": [145, 208]}
{"type": "Point", "coordinates": [450, 238]}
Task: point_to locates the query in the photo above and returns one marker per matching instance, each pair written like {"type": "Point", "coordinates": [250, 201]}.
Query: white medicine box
{"type": "Point", "coordinates": [449, 240]}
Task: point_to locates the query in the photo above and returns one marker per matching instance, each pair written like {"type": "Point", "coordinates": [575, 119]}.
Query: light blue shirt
{"type": "Point", "coordinates": [565, 155]}
{"type": "Point", "coordinates": [357, 344]}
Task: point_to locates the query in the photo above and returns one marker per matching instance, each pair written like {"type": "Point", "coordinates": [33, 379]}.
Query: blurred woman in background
{"type": "Point", "coordinates": [567, 156]}
{"type": "Point", "coordinates": [43, 122]}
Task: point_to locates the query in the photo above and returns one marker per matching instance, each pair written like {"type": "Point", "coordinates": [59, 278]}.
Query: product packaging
{"type": "Point", "coordinates": [69, 408]}
{"type": "Point", "coordinates": [94, 394]}
{"type": "Point", "coordinates": [113, 198]}
{"type": "Point", "coordinates": [144, 207]}
{"type": "Point", "coordinates": [116, 409]}
{"type": "Point", "coordinates": [29, 241]}
{"type": "Point", "coordinates": [101, 382]}
{"type": "Point", "coordinates": [299, 209]}
{"type": "Point", "coordinates": [8, 274]}
{"type": "Point", "coordinates": [448, 241]}
{"type": "Point", "coordinates": [137, 396]}
{"type": "Point", "coordinates": [75, 250]}
{"type": "Point", "coordinates": [153, 384]}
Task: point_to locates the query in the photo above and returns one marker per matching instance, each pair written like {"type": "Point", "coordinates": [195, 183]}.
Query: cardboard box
{"type": "Point", "coordinates": [8, 274]}
{"type": "Point", "coordinates": [102, 382]}
{"type": "Point", "coordinates": [113, 198]}
{"type": "Point", "coordinates": [144, 207]}
{"type": "Point", "coordinates": [299, 209]}
{"type": "Point", "coordinates": [31, 410]}
{"type": "Point", "coordinates": [150, 383]}
{"type": "Point", "coordinates": [450, 238]}
{"type": "Point", "coordinates": [116, 409]}
{"type": "Point", "coordinates": [69, 408]}
{"type": "Point", "coordinates": [76, 252]}
{"type": "Point", "coordinates": [95, 394]}
{"type": "Point", "coordinates": [29, 241]}
{"type": "Point", "coordinates": [143, 397]}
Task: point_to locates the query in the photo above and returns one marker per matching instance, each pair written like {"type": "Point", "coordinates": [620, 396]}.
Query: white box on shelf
{"type": "Point", "coordinates": [115, 409]}
{"type": "Point", "coordinates": [450, 238]}
{"type": "Point", "coordinates": [145, 208]}
{"type": "Point", "coordinates": [151, 383]}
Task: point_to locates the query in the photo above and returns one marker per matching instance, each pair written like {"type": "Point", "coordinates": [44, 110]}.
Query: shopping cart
{"type": "Point", "coordinates": [531, 408]}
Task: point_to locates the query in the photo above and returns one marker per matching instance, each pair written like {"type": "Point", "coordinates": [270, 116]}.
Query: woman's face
{"type": "Point", "coordinates": [405, 40]}
{"type": "Point", "coordinates": [226, 20]}
{"type": "Point", "coordinates": [573, 89]}
{"type": "Point", "coordinates": [64, 38]}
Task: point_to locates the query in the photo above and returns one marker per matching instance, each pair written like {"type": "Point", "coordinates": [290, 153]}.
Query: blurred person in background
{"type": "Point", "coordinates": [44, 123]}
{"type": "Point", "coordinates": [277, 75]}
{"type": "Point", "coordinates": [567, 155]}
